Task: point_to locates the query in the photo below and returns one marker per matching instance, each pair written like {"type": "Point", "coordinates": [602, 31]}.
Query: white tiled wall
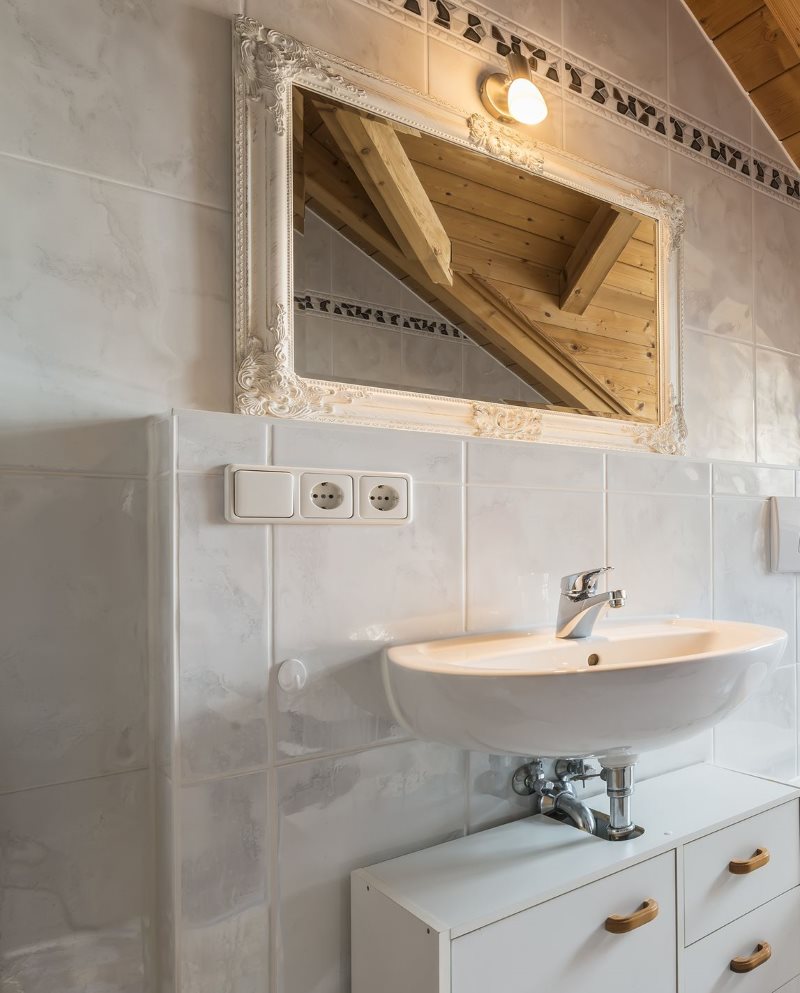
{"type": "Point", "coordinates": [114, 305]}
{"type": "Point", "coordinates": [496, 525]}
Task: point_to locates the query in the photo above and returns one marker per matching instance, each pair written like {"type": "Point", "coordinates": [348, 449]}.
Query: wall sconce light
{"type": "Point", "coordinates": [514, 97]}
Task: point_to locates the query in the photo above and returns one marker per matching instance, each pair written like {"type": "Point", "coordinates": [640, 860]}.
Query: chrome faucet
{"type": "Point", "coordinates": [581, 605]}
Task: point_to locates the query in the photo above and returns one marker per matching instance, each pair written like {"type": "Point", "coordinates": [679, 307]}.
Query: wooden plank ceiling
{"type": "Point", "coordinates": [554, 284]}
{"type": "Point", "coordinates": [760, 41]}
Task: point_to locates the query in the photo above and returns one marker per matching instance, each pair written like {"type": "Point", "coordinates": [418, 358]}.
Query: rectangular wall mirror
{"type": "Point", "coordinates": [422, 265]}
{"type": "Point", "coordinates": [400, 264]}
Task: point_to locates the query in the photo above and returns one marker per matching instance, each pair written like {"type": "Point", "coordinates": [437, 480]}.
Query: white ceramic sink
{"type": "Point", "coordinates": [628, 688]}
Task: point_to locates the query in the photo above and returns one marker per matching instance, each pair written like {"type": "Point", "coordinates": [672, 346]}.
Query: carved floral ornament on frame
{"type": "Point", "coordinates": [267, 65]}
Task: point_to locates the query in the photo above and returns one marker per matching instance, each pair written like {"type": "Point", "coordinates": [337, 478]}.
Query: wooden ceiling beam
{"type": "Point", "coordinates": [541, 362]}
{"type": "Point", "coordinates": [779, 102]}
{"type": "Point", "coordinates": [756, 49]}
{"type": "Point", "coordinates": [717, 16]}
{"type": "Point", "coordinates": [594, 256]}
{"type": "Point", "coordinates": [760, 41]}
{"type": "Point", "coordinates": [373, 151]}
{"type": "Point", "coordinates": [787, 14]}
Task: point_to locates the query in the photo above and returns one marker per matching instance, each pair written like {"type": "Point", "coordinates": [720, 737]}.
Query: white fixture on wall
{"type": "Point", "coordinates": [257, 494]}
{"type": "Point", "coordinates": [514, 97]}
{"type": "Point", "coordinates": [785, 534]}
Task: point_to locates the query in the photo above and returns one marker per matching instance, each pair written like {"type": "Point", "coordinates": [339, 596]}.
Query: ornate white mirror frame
{"type": "Point", "coordinates": [266, 66]}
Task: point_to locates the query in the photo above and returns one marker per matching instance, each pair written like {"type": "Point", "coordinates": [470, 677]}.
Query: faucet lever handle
{"type": "Point", "coordinates": [583, 583]}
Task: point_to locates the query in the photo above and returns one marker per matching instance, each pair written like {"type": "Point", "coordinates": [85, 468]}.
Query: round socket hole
{"type": "Point", "coordinates": [327, 496]}
{"type": "Point", "coordinates": [383, 497]}
{"type": "Point", "coordinates": [593, 659]}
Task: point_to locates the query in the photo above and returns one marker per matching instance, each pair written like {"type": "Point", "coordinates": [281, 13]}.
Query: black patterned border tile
{"type": "Point", "coordinates": [457, 22]}
{"type": "Point", "coordinates": [355, 311]}
{"type": "Point", "coordinates": [614, 98]}
{"type": "Point", "coordinates": [410, 11]}
{"type": "Point", "coordinates": [468, 22]}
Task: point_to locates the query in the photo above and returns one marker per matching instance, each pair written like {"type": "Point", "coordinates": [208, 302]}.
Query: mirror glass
{"type": "Point", "coordinates": [425, 266]}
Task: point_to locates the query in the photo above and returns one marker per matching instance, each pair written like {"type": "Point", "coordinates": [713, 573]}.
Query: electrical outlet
{"type": "Point", "coordinates": [383, 498]}
{"type": "Point", "coordinates": [326, 495]}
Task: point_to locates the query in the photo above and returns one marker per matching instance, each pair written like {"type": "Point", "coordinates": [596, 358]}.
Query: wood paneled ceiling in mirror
{"type": "Point", "coordinates": [557, 286]}
{"type": "Point", "coordinates": [760, 41]}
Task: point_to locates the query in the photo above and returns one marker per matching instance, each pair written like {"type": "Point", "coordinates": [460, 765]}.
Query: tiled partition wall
{"type": "Point", "coordinates": [278, 795]}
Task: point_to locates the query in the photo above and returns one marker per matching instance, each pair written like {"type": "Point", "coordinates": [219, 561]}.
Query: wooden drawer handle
{"type": "Point", "coordinates": [617, 924]}
{"type": "Point", "coordinates": [749, 962]}
{"type": "Point", "coordinates": [759, 858]}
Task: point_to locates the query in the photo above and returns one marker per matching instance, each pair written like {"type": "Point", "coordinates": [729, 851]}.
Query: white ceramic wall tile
{"type": "Point", "coordinates": [73, 686]}
{"type": "Point", "coordinates": [337, 815]}
{"type": "Point", "coordinates": [207, 442]}
{"type": "Point", "coordinates": [503, 463]}
{"type": "Point", "coordinates": [223, 634]}
{"type": "Point", "coordinates": [342, 594]}
{"type": "Point", "coordinates": [351, 30]}
{"type": "Point", "coordinates": [431, 364]}
{"type": "Point", "coordinates": [743, 480]}
{"type": "Point", "coordinates": [629, 40]}
{"type": "Point", "coordinates": [225, 888]}
{"type": "Point", "coordinates": [660, 547]}
{"type": "Point", "coordinates": [519, 544]}
{"type": "Point", "coordinates": [317, 247]}
{"type": "Point", "coordinates": [543, 17]}
{"type": "Point", "coordinates": [761, 736]}
{"type": "Point", "coordinates": [166, 874]}
{"type": "Point", "coordinates": [120, 310]}
{"type": "Point", "coordinates": [429, 458]}
{"type": "Point", "coordinates": [354, 275]}
{"type": "Point", "coordinates": [744, 587]}
{"type": "Point", "coordinates": [663, 760]}
{"type": "Point", "coordinates": [720, 406]}
{"type": "Point", "coordinates": [778, 407]}
{"type": "Point", "coordinates": [314, 336]}
{"type": "Point", "coordinates": [718, 248]}
{"type": "Point", "coordinates": [765, 142]}
{"type": "Point", "coordinates": [163, 611]}
{"type": "Point", "coordinates": [777, 246]}
{"type": "Point", "coordinates": [656, 474]}
{"type": "Point", "coordinates": [699, 81]}
{"type": "Point", "coordinates": [363, 354]}
{"type": "Point", "coordinates": [492, 801]}
{"type": "Point", "coordinates": [487, 379]}
{"type": "Point", "coordinates": [604, 142]}
{"type": "Point", "coordinates": [74, 877]}
{"type": "Point", "coordinates": [80, 93]}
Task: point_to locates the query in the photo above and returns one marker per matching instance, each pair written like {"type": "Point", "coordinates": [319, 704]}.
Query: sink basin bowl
{"type": "Point", "coordinates": [628, 688]}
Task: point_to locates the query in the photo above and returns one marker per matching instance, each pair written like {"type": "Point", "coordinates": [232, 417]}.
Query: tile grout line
{"type": "Point", "coordinates": [100, 178]}
{"type": "Point", "coordinates": [71, 782]}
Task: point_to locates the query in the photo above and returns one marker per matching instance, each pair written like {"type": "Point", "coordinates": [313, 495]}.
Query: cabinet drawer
{"type": "Point", "coordinates": [714, 895]}
{"type": "Point", "coordinates": [563, 944]}
{"type": "Point", "coordinates": [707, 962]}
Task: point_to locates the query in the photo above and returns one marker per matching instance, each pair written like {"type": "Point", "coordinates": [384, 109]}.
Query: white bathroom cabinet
{"type": "Point", "coordinates": [523, 907]}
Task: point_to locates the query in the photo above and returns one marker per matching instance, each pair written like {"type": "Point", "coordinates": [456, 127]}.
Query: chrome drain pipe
{"type": "Point", "coordinates": [619, 786]}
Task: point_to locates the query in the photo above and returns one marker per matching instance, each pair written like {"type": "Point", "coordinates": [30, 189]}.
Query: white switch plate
{"type": "Point", "coordinates": [260, 494]}
{"type": "Point", "coordinates": [263, 494]}
{"type": "Point", "coordinates": [785, 534]}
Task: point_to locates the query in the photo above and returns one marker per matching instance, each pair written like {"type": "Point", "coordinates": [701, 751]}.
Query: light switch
{"type": "Point", "coordinates": [263, 493]}
{"type": "Point", "coordinates": [785, 537]}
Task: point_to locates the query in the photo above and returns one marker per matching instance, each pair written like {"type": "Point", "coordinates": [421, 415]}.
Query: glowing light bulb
{"type": "Point", "coordinates": [525, 102]}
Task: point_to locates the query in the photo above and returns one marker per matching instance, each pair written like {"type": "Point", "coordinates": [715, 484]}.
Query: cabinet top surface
{"type": "Point", "coordinates": [483, 877]}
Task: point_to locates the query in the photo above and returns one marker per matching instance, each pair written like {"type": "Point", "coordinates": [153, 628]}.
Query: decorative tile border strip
{"type": "Point", "coordinates": [368, 313]}
{"type": "Point", "coordinates": [469, 26]}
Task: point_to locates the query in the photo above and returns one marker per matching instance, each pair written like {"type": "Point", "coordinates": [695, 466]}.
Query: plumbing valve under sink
{"type": "Point", "coordinates": [556, 798]}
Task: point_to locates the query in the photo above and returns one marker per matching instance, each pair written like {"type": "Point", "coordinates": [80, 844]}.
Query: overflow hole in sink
{"type": "Point", "coordinates": [593, 659]}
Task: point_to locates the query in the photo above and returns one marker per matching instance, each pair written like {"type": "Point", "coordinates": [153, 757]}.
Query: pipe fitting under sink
{"type": "Point", "coordinates": [556, 797]}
